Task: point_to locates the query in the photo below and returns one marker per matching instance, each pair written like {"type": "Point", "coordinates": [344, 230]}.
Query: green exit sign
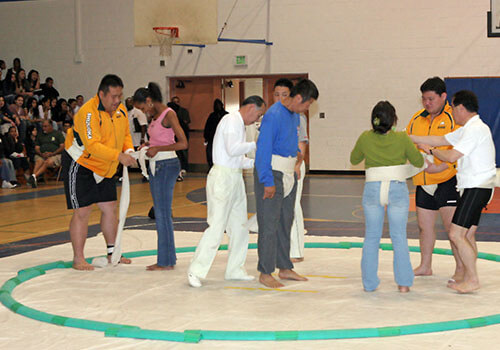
{"type": "Point", "coordinates": [240, 60]}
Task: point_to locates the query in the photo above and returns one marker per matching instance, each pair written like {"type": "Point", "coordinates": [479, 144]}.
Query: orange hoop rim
{"type": "Point", "coordinates": [173, 31]}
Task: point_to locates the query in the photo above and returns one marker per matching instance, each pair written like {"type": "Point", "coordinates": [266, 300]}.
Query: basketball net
{"type": "Point", "coordinates": [166, 37]}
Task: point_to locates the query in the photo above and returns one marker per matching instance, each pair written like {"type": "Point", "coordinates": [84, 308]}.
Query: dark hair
{"type": "Point", "coordinates": [435, 84]}
{"type": "Point", "coordinates": [174, 106]}
{"type": "Point", "coordinates": [254, 100]}
{"type": "Point", "coordinates": [36, 112]}
{"type": "Point", "coordinates": [48, 79]}
{"type": "Point", "coordinates": [110, 80]}
{"type": "Point", "coordinates": [31, 73]}
{"type": "Point", "coordinates": [466, 98]}
{"type": "Point", "coordinates": [71, 100]}
{"type": "Point", "coordinates": [218, 105]}
{"type": "Point", "coordinates": [284, 82]}
{"type": "Point", "coordinates": [152, 91]}
{"type": "Point", "coordinates": [78, 96]}
{"type": "Point", "coordinates": [383, 117]}
{"type": "Point", "coordinates": [305, 88]}
{"type": "Point", "coordinates": [44, 99]}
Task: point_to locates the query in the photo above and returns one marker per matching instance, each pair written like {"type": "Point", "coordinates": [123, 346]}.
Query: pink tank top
{"type": "Point", "coordinates": [158, 134]}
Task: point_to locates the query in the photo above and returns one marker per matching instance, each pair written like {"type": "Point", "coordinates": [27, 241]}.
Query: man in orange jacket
{"type": "Point", "coordinates": [435, 192]}
{"type": "Point", "coordinates": [94, 147]}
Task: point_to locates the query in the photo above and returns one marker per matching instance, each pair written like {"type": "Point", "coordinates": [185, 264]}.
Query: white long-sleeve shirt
{"type": "Point", "coordinates": [229, 147]}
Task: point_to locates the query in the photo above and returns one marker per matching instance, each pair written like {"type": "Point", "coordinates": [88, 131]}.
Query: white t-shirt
{"type": "Point", "coordinates": [42, 114]}
{"type": "Point", "coordinates": [477, 166]}
{"type": "Point", "coordinates": [229, 146]}
{"type": "Point", "coordinates": [143, 120]}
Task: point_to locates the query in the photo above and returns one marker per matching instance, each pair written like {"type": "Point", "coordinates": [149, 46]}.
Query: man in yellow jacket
{"type": "Point", "coordinates": [94, 147]}
{"type": "Point", "coordinates": [435, 192]}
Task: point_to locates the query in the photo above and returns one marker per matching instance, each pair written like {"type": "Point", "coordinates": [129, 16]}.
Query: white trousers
{"type": "Point", "coordinates": [297, 232]}
{"type": "Point", "coordinates": [226, 211]}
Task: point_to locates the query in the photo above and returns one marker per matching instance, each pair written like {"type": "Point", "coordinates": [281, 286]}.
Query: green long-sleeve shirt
{"type": "Point", "coordinates": [392, 148]}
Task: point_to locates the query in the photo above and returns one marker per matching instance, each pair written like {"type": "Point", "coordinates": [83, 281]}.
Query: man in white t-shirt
{"type": "Point", "coordinates": [474, 151]}
{"type": "Point", "coordinates": [138, 123]}
{"type": "Point", "coordinates": [226, 196]}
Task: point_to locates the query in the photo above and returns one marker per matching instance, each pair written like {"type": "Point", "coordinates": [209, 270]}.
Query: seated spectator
{"type": "Point", "coordinates": [6, 118]}
{"type": "Point", "coordinates": [19, 113]}
{"type": "Point", "coordinates": [16, 66]}
{"type": "Point", "coordinates": [14, 150]}
{"type": "Point", "coordinates": [60, 113]}
{"type": "Point", "coordinates": [23, 87]}
{"type": "Point", "coordinates": [29, 143]}
{"type": "Point", "coordinates": [3, 69]}
{"type": "Point", "coordinates": [48, 89]}
{"type": "Point", "coordinates": [33, 112]}
{"type": "Point", "coordinates": [1, 85]}
{"type": "Point", "coordinates": [67, 124]}
{"type": "Point", "coordinates": [34, 81]}
{"type": "Point", "coordinates": [7, 171]}
{"type": "Point", "coordinates": [9, 88]}
{"type": "Point", "coordinates": [44, 109]}
{"type": "Point", "coordinates": [48, 148]}
{"type": "Point", "coordinates": [71, 107]}
{"type": "Point", "coordinates": [79, 102]}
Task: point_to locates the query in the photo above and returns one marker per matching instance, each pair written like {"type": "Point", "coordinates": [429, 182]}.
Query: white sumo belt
{"type": "Point", "coordinates": [286, 165]}
{"type": "Point", "coordinates": [386, 174]}
{"type": "Point", "coordinates": [491, 184]}
{"type": "Point", "coordinates": [141, 157]}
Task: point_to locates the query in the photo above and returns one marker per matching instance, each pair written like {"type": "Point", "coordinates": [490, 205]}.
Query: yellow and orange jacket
{"type": "Point", "coordinates": [420, 124]}
{"type": "Point", "coordinates": [97, 138]}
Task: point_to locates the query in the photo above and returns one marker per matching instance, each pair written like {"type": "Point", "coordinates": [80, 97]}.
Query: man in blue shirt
{"type": "Point", "coordinates": [275, 182]}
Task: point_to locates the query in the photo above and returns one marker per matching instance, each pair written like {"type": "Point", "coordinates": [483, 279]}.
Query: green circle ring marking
{"type": "Point", "coordinates": [194, 336]}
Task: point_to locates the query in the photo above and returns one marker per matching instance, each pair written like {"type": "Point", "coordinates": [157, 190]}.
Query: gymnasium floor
{"type": "Point", "coordinates": [33, 231]}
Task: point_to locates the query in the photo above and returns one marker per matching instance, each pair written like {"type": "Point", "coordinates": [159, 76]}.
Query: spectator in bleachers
{"type": "Point", "coordinates": [9, 87]}
{"type": "Point", "coordinates": [48, 148]}
{"type": "Point", "coordinates": [44, 109]}
{"type": "Point", "coordinates": [138, 123]}
{"type": "Point", "coordinates": [79, 102]}
{"type": "Point", "coordinates": [33, 112]}
{"type": "Point", "coordinates": [60, 113]}
{"type": "Point", "coordinates": [23, 87]}
{"type": "Point", "coordinates": [3, 69]}
{"type": "Point", "coordinates": [48, 89]}
{"type": "Point", "coordinates": [6, 118]}
{"type": "Point", "coordinates": [19, 113]}
{"type": "Point", "coordinates": [29, 143]}
{"type": "Point", "coordinates": [16, 66]}
{"type": "Point", "coordinates": [34, 81]}
{"type": "Point", "coordinates": [71, 107]}
{"type": "Point", "coordinates": [67, 124]}
{"type": "Point", "coordinates": [7, 171]}
{"type": "Point", "coordinates": [14, 150]}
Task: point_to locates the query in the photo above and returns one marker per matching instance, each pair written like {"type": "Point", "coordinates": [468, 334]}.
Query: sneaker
{"type": "Point", "coordinates": [7, 184]}
{"type": "Point", "coordinates": [32, 181]}
{"type": "Point", "coordinates": [180, 178]}
{"type": "Point", "coordinates": [193, 281]}
{"type": "Point", "coordinates": [26, 176]}
{"type": "Point", "coordinates": [183, 172]}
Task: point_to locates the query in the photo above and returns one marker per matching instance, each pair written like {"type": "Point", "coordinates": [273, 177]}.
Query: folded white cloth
{"type": "Point", "coordinates": [286, 165]}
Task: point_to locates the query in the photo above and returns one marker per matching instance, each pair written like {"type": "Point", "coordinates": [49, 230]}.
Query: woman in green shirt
{"type": "Point", "coordinates": [384, 147]}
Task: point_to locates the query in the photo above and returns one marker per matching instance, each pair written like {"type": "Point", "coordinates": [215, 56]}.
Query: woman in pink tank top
{"type": "Point", "coordinates": [163, 130]}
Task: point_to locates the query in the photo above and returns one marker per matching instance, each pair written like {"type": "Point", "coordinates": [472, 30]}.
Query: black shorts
{"type": "Point", "coordinates": [446, 195]}
{"type": "Point", "coordinates": [470, 206]}
{"type": "Point", "coordinates": [80, 185]}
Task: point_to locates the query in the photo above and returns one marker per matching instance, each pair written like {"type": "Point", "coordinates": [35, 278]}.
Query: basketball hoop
{"type": "Point", "coordinates": [166, 37]}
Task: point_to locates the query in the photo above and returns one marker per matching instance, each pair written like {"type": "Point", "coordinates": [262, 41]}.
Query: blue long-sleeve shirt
{"type": "Point", "coordinates": [278, 135]}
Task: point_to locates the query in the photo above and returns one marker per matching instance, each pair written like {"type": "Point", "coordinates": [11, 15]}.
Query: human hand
{"type": "Point", "coordinates": [424, 147]}
{"type": "Point", "coordinates": [297, 171]}
{"type": "Point", "coordinates": [269, 192]}
{"type": "Point", "coordinates": [126, 159]}
{"type": "Point", "coordinates": [151, 152]}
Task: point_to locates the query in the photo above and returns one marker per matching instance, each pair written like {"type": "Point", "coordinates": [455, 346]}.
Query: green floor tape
{"type": "Point", "coordinates": [195, 336]}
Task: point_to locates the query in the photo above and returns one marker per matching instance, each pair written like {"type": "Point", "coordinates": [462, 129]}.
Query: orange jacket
{"type": "Point", "coordinates": [97, 138]}
{"type": "Point", "coordinates": [421, 125]}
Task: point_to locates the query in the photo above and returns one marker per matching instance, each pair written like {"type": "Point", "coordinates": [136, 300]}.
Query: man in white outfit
{"type": "Point", "coordinates": [226, 196]}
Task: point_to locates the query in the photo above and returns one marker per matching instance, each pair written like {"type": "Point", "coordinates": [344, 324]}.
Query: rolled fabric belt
{"type": "Point", "coordinates": [141, 157]}
{"type": "Point", "coordinates": [386, 174]}
{"type": "Point", "coordinates": [491, 184]}
{"type": "Point", "coordinates": [286, 165]}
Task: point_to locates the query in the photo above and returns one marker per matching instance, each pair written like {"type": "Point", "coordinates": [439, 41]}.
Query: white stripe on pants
{"type": "Point", "coordinates": [226, 211]}
{"type": "Point", "coordinates": [297, 232]}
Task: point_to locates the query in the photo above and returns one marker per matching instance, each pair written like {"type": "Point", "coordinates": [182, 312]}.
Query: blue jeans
{"type": "Point", "coordinates": [397, 212]}
{"type": "Point", "coordinates": [162, 189]}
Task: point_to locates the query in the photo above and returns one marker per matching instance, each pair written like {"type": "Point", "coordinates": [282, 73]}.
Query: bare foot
{"type": "Point", "coordinates": [458, 277]}
{"type": "Point", "coordinates": [156, 267]}
{"type": "Point", "coordinates": [286, 274]}
{"type": "Point", "coordinates": [297, 260]}
{"type": "Point", "coordinates": [82, 266]}
{"type": "Point", "coordinates": [123, 260]}
{"type": "Point", "coordinates": [422, 271]}
{"type": "Point", "coordinates": [465, 287]}
{"type": "Point", "coordinates": [269, 281]}
{"type": "Point", "coordinates": [403, 289]}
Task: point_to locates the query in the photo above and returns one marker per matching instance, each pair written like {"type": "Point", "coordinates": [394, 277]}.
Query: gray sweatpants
{"type": "Point", "coordinates": [275, 218]}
